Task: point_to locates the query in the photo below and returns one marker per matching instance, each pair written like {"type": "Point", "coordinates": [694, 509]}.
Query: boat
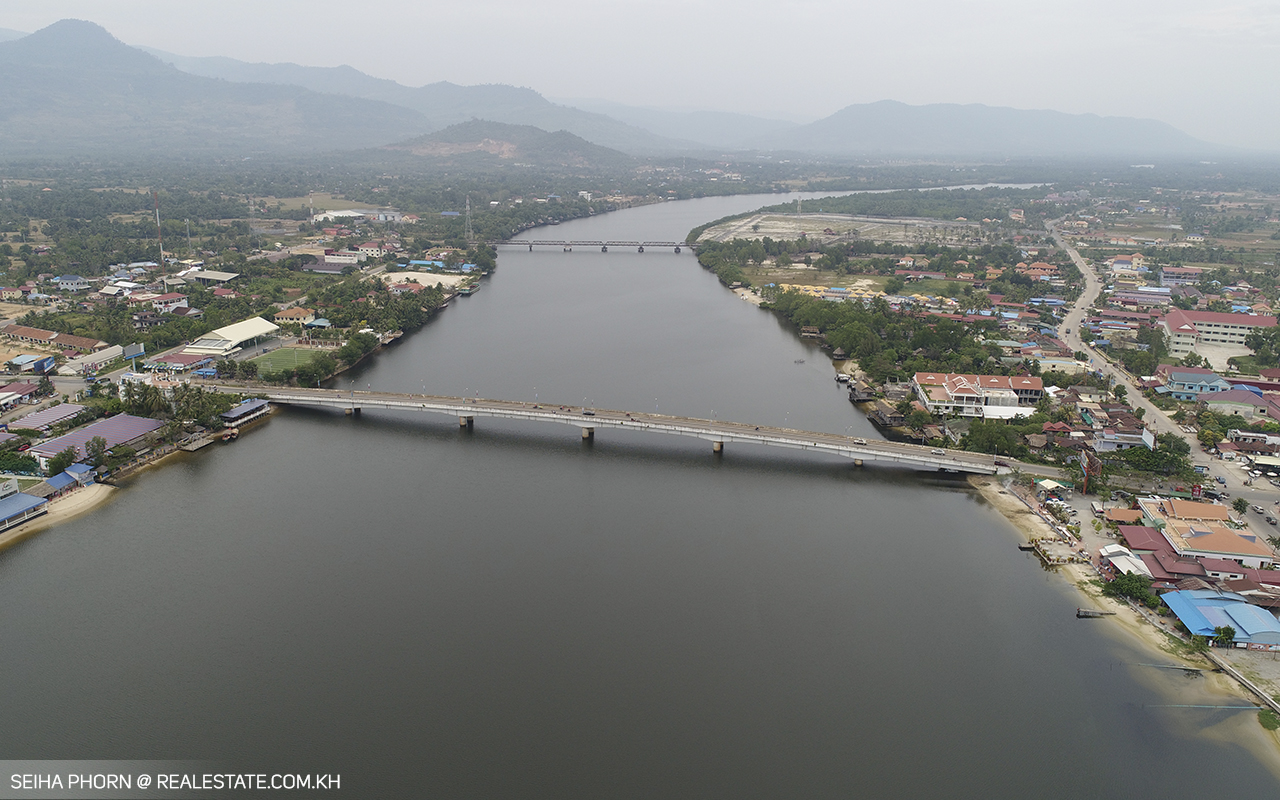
{"type": "Point", "coordinates": [231, 434]}
{"type": "Point", "coordinates": [1027, 548]}
{"type": "Point", "coordinates": [469, 289]}
{"type": "Point", "coordinates": [842, 378]}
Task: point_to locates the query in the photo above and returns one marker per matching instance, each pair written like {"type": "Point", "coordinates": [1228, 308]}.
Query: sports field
{"type": "Point", "coordinates": [283, 358]}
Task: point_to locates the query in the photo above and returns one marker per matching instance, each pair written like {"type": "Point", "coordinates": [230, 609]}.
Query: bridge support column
{"type": "Point", "coordinates": [641, 250]}
{"type": "Point", "coordinates": [353, 411]}
{"type": "Point", "coordinates": [588, 434]}
{"type": "Point", "coordinates": [717, 447]}
{"type": "Point", "coordinates": [604, 248]}
{"type": "Point", "coordinates": [677, 248]}
{"type": "Point", "coordinates": [857, 462]}
{"type": "Point", "coordinates": [530, 248]}
{"type": "Point", "coordinates": [466, 422]}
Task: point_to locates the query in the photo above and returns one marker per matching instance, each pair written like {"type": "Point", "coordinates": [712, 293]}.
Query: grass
{"type": "Point", "coordinates": [283, 358]}
{"type": "Point", "coordinates": [1268, 719]}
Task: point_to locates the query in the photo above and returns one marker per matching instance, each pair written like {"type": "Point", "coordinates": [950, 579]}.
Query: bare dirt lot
{"type": "Point", "coordinates": [845, 227]}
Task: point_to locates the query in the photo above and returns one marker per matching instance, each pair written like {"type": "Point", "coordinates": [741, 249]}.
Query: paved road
{"type": "Point", "coordinates": [1261, 493]}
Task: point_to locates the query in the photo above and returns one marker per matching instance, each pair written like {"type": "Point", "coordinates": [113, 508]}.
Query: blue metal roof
{"type": "Point", "coordinates": [1203, 610]}
{"type": "Point", "coordinates": [60, 481]}
{"type": "Point", "coordinates": [244, 409]}
{"type": "Point", "coordinates": [20, 503]}
{"type": "Point", "coordinates": [79, 469]}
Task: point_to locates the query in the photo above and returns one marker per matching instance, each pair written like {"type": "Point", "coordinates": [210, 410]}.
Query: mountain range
{"type": "Point", "coordinates": [72, 88]}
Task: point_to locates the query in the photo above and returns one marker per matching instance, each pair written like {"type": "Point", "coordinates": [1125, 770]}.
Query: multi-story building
{"type": "Point", "coordinates": [986, 396]}
{"type": "Point", "coordinates": [1187, 330]}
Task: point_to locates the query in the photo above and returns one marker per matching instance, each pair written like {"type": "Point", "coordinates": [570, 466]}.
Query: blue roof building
{"type": "Point", "coordinates": [1203, 610]}
{"type": "Point", "coordinates": [249, 409]}
{"type": "Point", "coordinates": [18, 508]}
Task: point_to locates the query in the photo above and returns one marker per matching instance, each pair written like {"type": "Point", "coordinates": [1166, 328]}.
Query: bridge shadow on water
{"type": "Point", "coordinates": [619, 446]}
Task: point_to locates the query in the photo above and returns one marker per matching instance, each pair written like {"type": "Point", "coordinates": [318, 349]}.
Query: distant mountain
{"type": "Point", "coordinates": [8, 35]}
{"type": "Point", "coordinates": [945, 129]}
{"type": "Point", "coordinates": [441, 104]}
{"type": "Point", "coordinates": [524, 144]}
{"type": "Point", "coordinates": [710, 129]}
{"type": "Point", "coordinates": [72, 88]}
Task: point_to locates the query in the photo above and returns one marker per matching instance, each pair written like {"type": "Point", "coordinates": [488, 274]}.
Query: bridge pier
{"type": "Point", "coordinates": [567, 248]}
{"type": "Point", "coordinates": [857, 462]}
{"type": "Point", "coordinates": [530, 248]}
{"type": "Point", "coordinates": [588, 434]}
{"type": "Point", "coordinates": [677, 248]}
{"type": "Point", "coordinates": [353, 411]}
{"type": "Point", "coordinates": [641, 248]}
{"type": "Point", "coordinates": [466, 422]}
{"type": "Point", "coordinates": [604, 248]}
{"type": "Point", "coordinates": [717, 447]}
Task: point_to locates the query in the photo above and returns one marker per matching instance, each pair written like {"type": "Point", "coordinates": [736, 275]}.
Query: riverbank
{"type": "Point", "coordinates": [1151, 633]}
{"type": "Point", "coordinates": [62, 509]}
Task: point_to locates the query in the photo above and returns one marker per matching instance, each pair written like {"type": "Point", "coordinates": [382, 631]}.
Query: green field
{"type": "Point", "coordinates": [283, 358]}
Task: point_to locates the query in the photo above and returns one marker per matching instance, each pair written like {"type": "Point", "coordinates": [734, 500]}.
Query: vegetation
{"type": "Point", "coordinates": [1133, 587]}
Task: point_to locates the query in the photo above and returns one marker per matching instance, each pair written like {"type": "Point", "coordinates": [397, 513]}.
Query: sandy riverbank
{"type": "Point", "coordinates": [1153, 634]}
{"type": "Point", "coordinates": [429, 278]}
{"type": "Point", "coordinates": [64, 508]}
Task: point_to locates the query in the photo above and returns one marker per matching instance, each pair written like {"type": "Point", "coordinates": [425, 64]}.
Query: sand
{"type": "Point", "coordinates": [60, 510]}
{"type": "Point", "coordinates": [1151, 633]}
{"type": "Point", "coordinates": [428, 278]}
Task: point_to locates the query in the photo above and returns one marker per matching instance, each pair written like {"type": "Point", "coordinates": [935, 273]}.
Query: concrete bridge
{"type": "Point", "coordinates": [718, 432]}
{"type": "Point", "coordinates": [604, 246]}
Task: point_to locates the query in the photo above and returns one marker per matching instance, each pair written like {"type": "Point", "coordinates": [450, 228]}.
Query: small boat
{"type": "Point", "coordinates": [799, 361]}
{"type": "Point", "coordinates": [842, 378]}
{"type": "Point", "coordinates": [1089, 613]}
{"type": "Point", "coordinates": [231, 434]}
{"type": "Point", "coordinates": [1027, 548]}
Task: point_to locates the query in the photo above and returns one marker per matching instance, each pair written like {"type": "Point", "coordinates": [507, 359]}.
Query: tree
{"type": "Point", "coordinates": [1209, 437]}
{"type": "Point", "coordinates": [1224, 635]}
{"type": "Point", "coordinates": [95, 451]}
{"type": "Point", "coordinates": [1193, 360]}
{"type": "Point", "coordinates": [63, 460]}
{"type": "Point", "coordinates": [1240, 505]}
{"type": "Point", "coordinates": [1173, 443]}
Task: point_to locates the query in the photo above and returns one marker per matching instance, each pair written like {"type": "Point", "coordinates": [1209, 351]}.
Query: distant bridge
{"type": "Point", "coordinates": [718, 432]}
{"type": "Point", "coordinates": [604, 246]}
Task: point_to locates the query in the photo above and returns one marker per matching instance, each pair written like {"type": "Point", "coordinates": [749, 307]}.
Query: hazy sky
{"type": "Point", "coordinates": [1210, 68]}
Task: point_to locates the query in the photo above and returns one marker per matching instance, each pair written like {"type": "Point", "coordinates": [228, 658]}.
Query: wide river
{"type": "Point", "coordinates": [513, 612]}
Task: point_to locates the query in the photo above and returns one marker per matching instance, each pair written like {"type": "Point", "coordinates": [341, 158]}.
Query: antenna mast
{"type": "Point", "coordinates": [159, 236]}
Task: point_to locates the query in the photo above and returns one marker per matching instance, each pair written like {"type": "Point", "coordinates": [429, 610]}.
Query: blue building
{"type": "Point", "coordinates": [1203, 610]}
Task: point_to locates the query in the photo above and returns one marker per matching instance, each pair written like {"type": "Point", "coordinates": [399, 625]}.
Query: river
{"type": "Point", "coordinates": [513, 612]}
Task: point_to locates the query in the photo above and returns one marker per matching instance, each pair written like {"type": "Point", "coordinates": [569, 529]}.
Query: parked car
{"type": "Point", "coordinates": [1221, 480]}
{"type": "Point", "coordinates": [859, 441]}
{"type": "Point", "coordinates": [935, 451]}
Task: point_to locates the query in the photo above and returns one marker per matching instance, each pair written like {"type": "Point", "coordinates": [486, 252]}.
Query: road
{"type": "Point", "coordinates": [1261, 493]}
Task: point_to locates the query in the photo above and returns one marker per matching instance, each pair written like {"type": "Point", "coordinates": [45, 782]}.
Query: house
{"type": "Point", "coordinates": [1110, 440]}
{"type": "Point", "coordinates": [1188, 383]}
{"type": "Point", "coordinates": [10, 293]}
{"type": "Point", "coordinates": [145, 320]}
{"type": "Point", "coordinates": [372, 250]}
{"type": "Point", "coordinates": [71, 283]}
{"type": "Point", "coordinates": [295, 315]}
{"type": "Point", "coordinates": [222, 291]}
{"type": "Point", "coordinates": [16, 507]}
{"type": "Point", "coordinates": [1179, 276]}
{"type": "Point", "coordinates": [166, 303]}
{"type": "Point", "coordinates": [211, 277]}
{"type": "Point", "coordinates": [402, 288]}
{"type": "Point", "coordinates": [187, 312]}
{"type": "Point", "coordinates": [1245, 403]}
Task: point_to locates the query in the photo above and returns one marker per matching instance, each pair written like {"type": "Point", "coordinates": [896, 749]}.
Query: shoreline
{"type": "Point", "coordinates": [1138, 629]}
{"type": "Point", "coordinates": [60, 510]}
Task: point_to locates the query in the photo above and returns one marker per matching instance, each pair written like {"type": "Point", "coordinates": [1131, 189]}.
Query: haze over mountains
{"type": "Point", "coordinates": [72, 88]}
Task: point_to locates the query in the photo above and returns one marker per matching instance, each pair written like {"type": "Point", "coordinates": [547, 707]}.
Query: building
{"type": "Point", "coordinates": [166, 303]}
{"type": "Point", "coordinates": [16, 507]}
{"type": "Point", "coordinates": [1180, 276]}
{"type": "Point", "coordinates": [122, 429]}
{"type": "Point", "coordinates": [245, 412]}
{"type": "Point", "coordinates": [985, 396]}
{"type": "Point", "coordinates": [47, 418]}
{"type": "Point", "coordinates": [1188, 383]}
{"type": "Point", "coordinates": [211, 277]}
{"type": "Point", "coordinates": [1245, 403]}
{"type": "Point", "coordinates": [1109, 440]}
{"type": "Point", "coordinates": [295, 315]}
{"type": "Point", "coordinates": [1187, 330]}
{"type": "Point", "coordinates": [231, 338]}
{"type": "Point", "coordinates": [71, 283]}
{"type": "Point", "coordinates": [1203, 611]}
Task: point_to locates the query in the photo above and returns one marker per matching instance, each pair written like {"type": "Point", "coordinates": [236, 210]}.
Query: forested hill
{"type": "Point", "coordinates": [73, 89]}
{"type": "Point", "coordinates": [482, 140]}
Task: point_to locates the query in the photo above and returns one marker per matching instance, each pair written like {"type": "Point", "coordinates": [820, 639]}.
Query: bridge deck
{"type": "Point", "coordinates": [718, 431]}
